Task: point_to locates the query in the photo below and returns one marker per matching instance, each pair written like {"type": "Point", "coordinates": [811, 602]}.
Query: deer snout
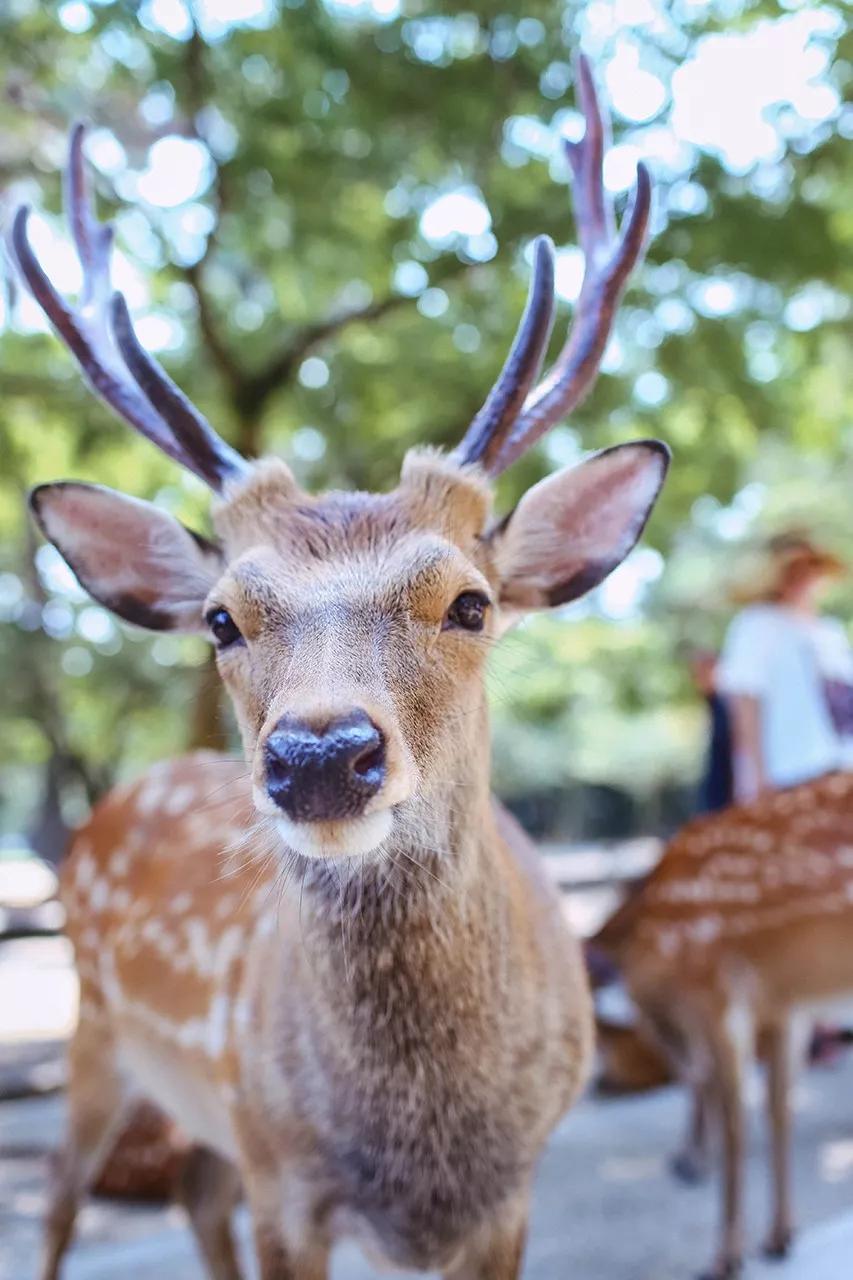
{"type": "Point", "coordinates": [320, 775]}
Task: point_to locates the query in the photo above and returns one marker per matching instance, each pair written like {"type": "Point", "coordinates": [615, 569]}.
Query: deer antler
{"type": "Point", "coordinates": [100, 336]}
{"type": "Point", "coordinates": [514, 417]}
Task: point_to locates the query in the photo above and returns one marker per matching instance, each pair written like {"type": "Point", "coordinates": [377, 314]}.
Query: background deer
{"type": "Point", "coordinates": [746, 922]}
{"type": "Point", "coordinates": [371, 1015]}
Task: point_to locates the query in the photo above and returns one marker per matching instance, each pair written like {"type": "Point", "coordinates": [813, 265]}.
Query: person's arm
{"type": "Point", "coordinates": [750, 778]}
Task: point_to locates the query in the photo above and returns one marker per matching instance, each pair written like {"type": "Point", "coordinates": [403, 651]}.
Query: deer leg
{"type": "Point", "coordinates": [690, 1164]}
{"type": "Point", "coordinates": [726, 1080]}
{"type": "Point", "coordinates": [291, 1242]}
{"type": "Point", "coordinates": [97, 1107]}
{"type": "Point", "coordinates": [209, 1189]}
{"type": "Point", "coordinates": [496, 1252]}
{"type": "Point", "coordinates": [278, 1261]}
{"type": "Point", "coordinates": [779, 1114]}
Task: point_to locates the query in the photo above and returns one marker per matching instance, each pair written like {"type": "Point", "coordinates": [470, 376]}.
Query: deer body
{"type": "Point", "coordinates": [745, 925]}
{"type": "Point", "coordinates": [391, 1043]}
{"type": "Point", "coordinates": [372, 1015]}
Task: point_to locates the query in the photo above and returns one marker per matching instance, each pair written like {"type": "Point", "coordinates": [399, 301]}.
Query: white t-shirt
{"type": "Point", "coordinates": [781, 657]}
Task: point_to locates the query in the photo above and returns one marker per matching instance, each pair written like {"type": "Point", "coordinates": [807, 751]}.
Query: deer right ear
{"type": "Point", "coordinates": [572, 529]}
{"type": "Point", "coordinates": [133, 558]}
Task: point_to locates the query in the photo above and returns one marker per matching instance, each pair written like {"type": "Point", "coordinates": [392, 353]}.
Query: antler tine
{"type": "Point", "coordinates": [498, 436]}
{"type": "Point", "coordinates": [92, 239]}
{"type": "Point", "coordinates": [609, 259]}
{"type": "Point", "coordinates": [118, 392]}
{"type": "Point", "coordinates": [485, 435]}
{"type": "Point", "coordinates": [212, 458]}
{"type": "Point", "coordinates": [151, 404]}
{"type": "Point", "coordinates": [594, 214]}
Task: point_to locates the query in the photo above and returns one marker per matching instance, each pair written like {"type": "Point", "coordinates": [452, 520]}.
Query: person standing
{"type": "Point", "coordinates": [787, 674]}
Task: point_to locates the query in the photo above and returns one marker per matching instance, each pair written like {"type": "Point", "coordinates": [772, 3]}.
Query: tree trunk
{"type": "Point", "coordinates": [48, 834]}
{"type": "Point", "coordinates": [209, 728]}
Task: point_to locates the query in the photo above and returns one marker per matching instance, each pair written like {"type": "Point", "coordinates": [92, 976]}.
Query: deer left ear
{"type": "Point", "coordinates": [135, 559]}
{"type": "Point", "coordinates": [572, 529]}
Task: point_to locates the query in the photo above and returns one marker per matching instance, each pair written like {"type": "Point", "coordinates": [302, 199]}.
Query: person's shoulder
{"type": "Point", "coordinates": [755, 617]}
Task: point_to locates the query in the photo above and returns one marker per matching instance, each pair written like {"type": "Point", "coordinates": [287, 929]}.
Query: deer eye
{"type": "Point", "coordinates": [468, 611]}
{"type": "Point", "coordinates": [224, 628]}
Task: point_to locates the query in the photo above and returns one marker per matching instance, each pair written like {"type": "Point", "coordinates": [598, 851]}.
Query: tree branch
{"type": "Point", "coordinates": [282, 366]}
{"type": "Point", "coordinates": [216, 345]}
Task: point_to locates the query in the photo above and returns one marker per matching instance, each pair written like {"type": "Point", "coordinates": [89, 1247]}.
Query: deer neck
{"type": "Point", "coordinates": [433, 881]}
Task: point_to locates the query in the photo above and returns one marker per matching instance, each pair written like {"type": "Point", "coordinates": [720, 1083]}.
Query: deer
{"type": "Point", "coordinates": [337, 963]}
{"type": "Point", "coordinates": [741, 931]}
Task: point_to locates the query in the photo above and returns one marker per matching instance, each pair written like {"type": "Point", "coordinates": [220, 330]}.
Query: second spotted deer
{"type": "Point", "coordinates": [739, 937]}
{"type": "Point", "coordinates": [374, 1016]}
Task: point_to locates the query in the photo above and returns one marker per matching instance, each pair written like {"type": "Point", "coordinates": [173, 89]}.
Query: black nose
{"type": "Point", "coordinates": [317, 775]}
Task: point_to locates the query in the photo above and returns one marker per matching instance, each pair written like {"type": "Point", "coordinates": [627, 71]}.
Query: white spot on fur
{"type": "Point", "coordinates": [199, 945]}
{"type": "Point", "coordinates": [120, 863]}
{"type": "Point", "coordinates": [100, 894]}
{"type": "Point", "coordinates": [153, 796]}
{"type": "Point", "coordinates": [705, 929]}
{"type": "Point", "coordinates": [152, 931]}
{"type": "Point", "coordinates": [121, 900]}
{"type": "Point", "coordinates": [217, 1025]}
{"type": "Point", "coordinates": [265, 925]}
{"type": "Point", "coordinates": [227, 949]}
{"type": "Point", "coordinates": [84, 876]}
{"type": "Point", "coordinates": [180, 800]}
{"type": "Point", "coordinates": [242, 1014]}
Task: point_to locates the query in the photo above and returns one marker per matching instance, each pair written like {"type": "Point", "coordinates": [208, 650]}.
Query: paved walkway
{"type": "Point", "coordinates": [605, 1208]}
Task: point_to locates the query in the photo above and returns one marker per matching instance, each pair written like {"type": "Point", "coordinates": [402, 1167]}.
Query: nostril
{"type": "Point", "coordinates": [318, 775]}
{"type": "Point", "coordinates": [371, 761]}
{"type": "Point", "coordinates": [278, 755]}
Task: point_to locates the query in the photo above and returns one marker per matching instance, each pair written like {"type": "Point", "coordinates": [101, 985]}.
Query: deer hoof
{"type": "Point", "coordinates": [688, 1168]}
{"type": "Point", "coordinates": [778, 1245]}
{"type": "Point", "coordinates": [727, 1269]}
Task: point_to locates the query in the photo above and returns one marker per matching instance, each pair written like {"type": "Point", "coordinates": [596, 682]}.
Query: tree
{"type": "Point", "coordinates": [331, 203]}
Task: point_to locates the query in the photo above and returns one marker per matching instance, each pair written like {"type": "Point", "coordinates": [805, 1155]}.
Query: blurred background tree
{"type": "Point", "coordinates": [324, 209]}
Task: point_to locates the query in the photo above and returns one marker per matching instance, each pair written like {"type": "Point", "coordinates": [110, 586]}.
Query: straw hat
{"type": "Point", "coordinates": [777, 559]}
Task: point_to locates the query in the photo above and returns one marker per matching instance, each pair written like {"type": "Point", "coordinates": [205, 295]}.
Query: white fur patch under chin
{"type": "Point", "coordinates": [351, 838]}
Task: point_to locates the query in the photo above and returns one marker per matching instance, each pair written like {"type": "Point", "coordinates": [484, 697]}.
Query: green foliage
{"type": "Point", "coordinates": [329, 132]}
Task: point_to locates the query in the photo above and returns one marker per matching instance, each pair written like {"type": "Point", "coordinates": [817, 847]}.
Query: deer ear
{"type": "Point", "coordinates": [130, 556]}
{"type": "Point", "coordinates": [572, 529]}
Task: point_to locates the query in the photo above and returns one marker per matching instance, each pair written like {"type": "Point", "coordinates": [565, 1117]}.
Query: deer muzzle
{"type": "Point", "coordinates": [325, 774]}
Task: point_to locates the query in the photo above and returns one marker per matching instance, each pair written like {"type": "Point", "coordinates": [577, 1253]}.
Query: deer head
{"type": "Point", "coordinates": [351, 629]}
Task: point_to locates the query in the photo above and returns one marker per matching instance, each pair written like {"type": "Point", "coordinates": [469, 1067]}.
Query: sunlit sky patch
{"type": "Point", "coordinates": [178, 170]}
{"type": "Point", "coordinates": [723, 94]}
{"type": "Point", "coordinates": [633, 92]}
{"type": "Point", "coordinates": [457, 213]}
{"type": "Point", "coordinates": [214, 17]}
{"type": "Point", "coordinates": [621, 594]}
{"type": "Point", "coordinates": [379, 10]}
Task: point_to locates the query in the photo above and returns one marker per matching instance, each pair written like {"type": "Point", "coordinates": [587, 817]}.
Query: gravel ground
{"type": "Point", "coordinates": [605, 1208]}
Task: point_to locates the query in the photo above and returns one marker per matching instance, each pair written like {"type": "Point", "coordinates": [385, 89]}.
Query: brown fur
{"type": "Point", "coordinates": [384, 1049]}
{"type": "Point", "coordinates": [381, 1044]}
